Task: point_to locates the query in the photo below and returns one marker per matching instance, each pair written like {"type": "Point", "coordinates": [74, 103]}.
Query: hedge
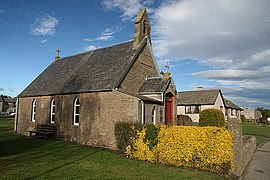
{"type": "Point", "coordinates": [205, 148]}
{"type": "Point", "coordinates": [124, 132]}
{"type": "Point", "coordinates": [184, 120]}
{"type": "Point", "coordinates": [212, 117]}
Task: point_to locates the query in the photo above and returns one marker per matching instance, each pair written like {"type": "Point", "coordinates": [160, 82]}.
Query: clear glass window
{"type": "Point", "coordinates": [76, 112]}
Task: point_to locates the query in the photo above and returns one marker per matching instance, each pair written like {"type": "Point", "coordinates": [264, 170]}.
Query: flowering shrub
{"type": "Point", "coordinates": [124, 133]}
{"type": "Point", "coordinates": [140, 148]}
{"type": "Point", "coordinates": [205, 148]}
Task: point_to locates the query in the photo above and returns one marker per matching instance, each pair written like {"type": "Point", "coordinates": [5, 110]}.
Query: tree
{"type": "Point", "coordinates": [265, 112]}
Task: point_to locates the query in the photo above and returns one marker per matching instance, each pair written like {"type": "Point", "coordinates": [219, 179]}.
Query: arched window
{"type": "Point", "coordinates": [76, 112]}
{"type": "Point", "coordinates": [52, 111]}
{"type": "Point", "coordinates": [144, 26]}
{"type": "Point", "coordinates": [154, 115]}
{"type": "Point", "coordinates": [34, 108]}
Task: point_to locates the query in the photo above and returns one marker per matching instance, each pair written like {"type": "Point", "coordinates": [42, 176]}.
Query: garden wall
{"type": "Point", "coordinates": [243, 147]}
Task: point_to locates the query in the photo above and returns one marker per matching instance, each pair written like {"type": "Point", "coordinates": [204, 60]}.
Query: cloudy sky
{"type": "Point", "coordinates": [212, 43]}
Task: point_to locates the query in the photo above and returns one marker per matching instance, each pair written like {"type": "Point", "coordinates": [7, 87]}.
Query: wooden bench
{"type": "Point", "coordinates": [43, 130]}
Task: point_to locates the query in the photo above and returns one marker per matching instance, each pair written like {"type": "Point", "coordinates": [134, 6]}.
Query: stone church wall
{"type": "Point", "coordinates": [99, 112]}
{"type": "Point", "coordinates": [144, 66]}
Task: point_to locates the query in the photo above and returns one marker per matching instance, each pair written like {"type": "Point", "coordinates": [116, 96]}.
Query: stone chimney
{"type": "Point", "coordinates": [142, 28]}
{"type": "Point", "coordinates": [199, 88]}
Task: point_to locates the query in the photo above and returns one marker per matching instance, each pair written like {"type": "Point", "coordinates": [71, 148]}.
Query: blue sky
{"type": "Point", "coordinates": [214, 44]}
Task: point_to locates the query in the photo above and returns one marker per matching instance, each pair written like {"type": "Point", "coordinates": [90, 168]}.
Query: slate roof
{"type": "Point", "coordinates": [97, 70]}
{"type": "Point", "coordinates": [155, 84]}
{"type": "Point", "coordinates": [7, 99]}
{"type": "Point", "coordinates": [199, 97]}
{"type": "Point", "coordinates": [230, 104]}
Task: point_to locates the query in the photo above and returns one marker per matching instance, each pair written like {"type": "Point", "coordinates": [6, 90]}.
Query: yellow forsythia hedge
{"type": "Point", "coordinates": [206, 148]}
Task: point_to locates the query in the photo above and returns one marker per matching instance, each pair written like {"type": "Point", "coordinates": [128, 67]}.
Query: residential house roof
{"type": "Point", "coordinates": [154, 84]}
{"type": "Point", "coordinates": [199, 97]}
{"type": "Point", "coordinates": [230, 104]}
{"type": "Point", "coordinates": [97, 70]}
{"type": "Point", "coordinates": [7, 99]}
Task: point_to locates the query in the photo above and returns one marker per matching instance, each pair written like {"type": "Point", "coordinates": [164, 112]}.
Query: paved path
{"type": "Point", "coordinates": [259, 166]}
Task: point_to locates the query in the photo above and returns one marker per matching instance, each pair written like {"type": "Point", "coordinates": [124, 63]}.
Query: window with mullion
{"type": "Point", "coordinates": [76, 112]}
{"type": "Point", "coordinates": [193, 109]}
{"type": "Point", "coordinates": [34, 108]}
{"type": "Point", "coordinates": [52, 111]}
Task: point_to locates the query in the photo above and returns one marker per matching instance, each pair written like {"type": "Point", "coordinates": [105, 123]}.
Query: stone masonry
{"type": "Point", "coordinates": [243, 148]}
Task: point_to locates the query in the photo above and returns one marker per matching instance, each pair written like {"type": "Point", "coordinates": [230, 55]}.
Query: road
{"type": "Point", "coordinates": [259, 166]}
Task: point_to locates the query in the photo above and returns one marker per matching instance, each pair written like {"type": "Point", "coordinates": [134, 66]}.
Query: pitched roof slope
{"type": "Point", "coordinates": [156, 84]}
{"type": "Point", "coordinates": [96, 70]}
{"type": "Point", "coordinates": [199, 97]}
{"type": "Point", "coordinates": [230, 104]}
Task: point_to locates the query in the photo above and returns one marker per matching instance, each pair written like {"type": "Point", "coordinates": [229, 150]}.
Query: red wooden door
{"type": "Point", "coordinates": [169, 110]}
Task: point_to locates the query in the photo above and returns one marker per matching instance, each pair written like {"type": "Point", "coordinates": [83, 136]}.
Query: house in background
{"type": "Point", "coordinates": [191, 103]}
{"type": "Point", "coordinates": [251, 114]}
{"type": "Point", "coordinates": [7, 104]}
{"type": "Point", "coordinates": [85, 95]}
{"type": "Point", "coordinates": [232, 110]}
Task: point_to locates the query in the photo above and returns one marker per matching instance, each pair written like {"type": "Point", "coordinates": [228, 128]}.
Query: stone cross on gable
{"type": "Point", "coordinates": [57, 55]}
{"type": "Point", "coordinates": [167, 67]}
{"type": "Point", "coordinates": [58, 51]}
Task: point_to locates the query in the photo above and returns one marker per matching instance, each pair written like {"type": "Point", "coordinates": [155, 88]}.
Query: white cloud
{"type": "Point", "coordinates": [88, 40]}
{"type": "Point", "coordinates": [104, 38]}
{"type": "Point", "coordinates": [106, 35]}
{"type": "Point", "coordinates": [129, 8]}
{"type": "Point", "coordinates": [211, 29]}
{"type": "Point", "coordinates": [43, 41]}
{"type": "Point", "coordinates": [44, 25]}
{"type": "Point", "coordinates": [89, 48]}
{"type": "Point", "coordinates": [111, 31]}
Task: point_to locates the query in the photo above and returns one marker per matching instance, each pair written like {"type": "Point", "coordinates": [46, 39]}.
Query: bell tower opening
{"type": "Point", "coordinates": [142, 28]}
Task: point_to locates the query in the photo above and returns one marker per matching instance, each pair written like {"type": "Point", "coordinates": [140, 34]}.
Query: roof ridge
{"type": "Point", "coordinates": [92, 51]}
{"type": "Point", "coordinates": [201, 90]}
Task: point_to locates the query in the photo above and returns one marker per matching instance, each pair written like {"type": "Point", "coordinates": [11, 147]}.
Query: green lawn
{"type": "Point", "coordinates": [25, 158]}
{"type": "Point", "coordinates": [262, 133]}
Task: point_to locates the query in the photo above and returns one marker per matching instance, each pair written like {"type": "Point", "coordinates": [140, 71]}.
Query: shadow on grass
{"type": "Point", "coordinates": [63, 165]}
{"type": "Point", "coordinates": [12, 143]}
{"type": "Point", "coordinates": [19, 145]}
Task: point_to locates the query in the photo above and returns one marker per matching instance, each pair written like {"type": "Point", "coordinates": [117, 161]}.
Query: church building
{"type": "Point", "coordinates": [85, 95]}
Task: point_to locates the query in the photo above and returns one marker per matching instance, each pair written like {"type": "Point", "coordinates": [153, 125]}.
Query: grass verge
{"type": "Point", "coordinates": [25, 158]}
{"type": "Point", "coordinates": [261, 132]}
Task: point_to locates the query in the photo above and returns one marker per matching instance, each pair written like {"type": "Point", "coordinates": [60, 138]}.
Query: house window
{"type": "Point", "coordinates": [76, 112]}
{"type": "Point", "coordinates": [153, 115]}
{"type": "Point", "coordinates": [34, 108]}
{"type": "Point", "coordinates": [193, 109]}
{"type": "Point", "coordinates": [226, 112]}
{"type": "Point", "coordinates": [221, 108]}
{"type": "Point", "coordinates": [52, 111]}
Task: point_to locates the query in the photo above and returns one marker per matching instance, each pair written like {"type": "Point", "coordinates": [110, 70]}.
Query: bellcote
{"type": "Point", "coordinates": [142, 28]}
